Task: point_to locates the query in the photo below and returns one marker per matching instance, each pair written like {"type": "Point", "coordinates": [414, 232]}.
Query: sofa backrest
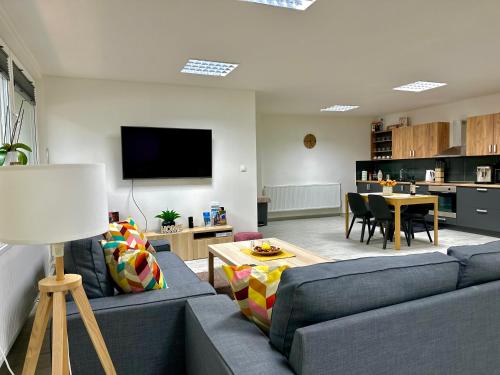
{"type": "Point", "coordinates": [478, 263]}
{"type": "Point", "coordinates": [452, 333]}
{"type": "Point", "coordinates": [86, 258]}
{"type": "Point", "coordinates": [322, 292]}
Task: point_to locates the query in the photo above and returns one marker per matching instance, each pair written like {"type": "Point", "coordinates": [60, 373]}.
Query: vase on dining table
{"type": "Point", "coordinates": [387, 190]}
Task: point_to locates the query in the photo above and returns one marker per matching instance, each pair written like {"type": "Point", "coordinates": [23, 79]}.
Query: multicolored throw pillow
{"type": "Point", "coordinates": [132, 270]}
{"type": "Point", "coordinates": [127, 231]}
{"type": "Point", "coordinates": [254, 289]}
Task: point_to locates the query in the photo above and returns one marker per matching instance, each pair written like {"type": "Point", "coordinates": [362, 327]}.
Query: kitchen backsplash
{"type": "Point", "coordinates": [456, 168]}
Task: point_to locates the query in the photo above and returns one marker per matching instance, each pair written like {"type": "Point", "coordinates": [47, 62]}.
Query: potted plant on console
{"type": "Point", "coordinates": [387, 186]}
{"type": "Point", "coordinates": [168, 224]}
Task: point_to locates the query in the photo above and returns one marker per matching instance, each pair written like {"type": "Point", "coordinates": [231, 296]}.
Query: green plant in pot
{"type": "Point", "coordinates": [168, 217]}
{"type": "Point", "coordinates": [12, 151]}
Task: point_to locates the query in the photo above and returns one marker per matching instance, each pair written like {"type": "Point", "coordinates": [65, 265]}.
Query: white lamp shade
{"type": "Point", "coordinates": [48, 204]}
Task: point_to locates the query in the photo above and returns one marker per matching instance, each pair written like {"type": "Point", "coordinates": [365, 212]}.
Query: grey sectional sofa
{"type": "Point", "coordinates": [144, 332]}
{"type": "Point", "coordinates": [428, 314]}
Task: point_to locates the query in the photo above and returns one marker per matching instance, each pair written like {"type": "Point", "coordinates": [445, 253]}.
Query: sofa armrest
{"type": "Point", "coordinates": [160, 245]}
{"type": "Point", "coordinates": [220, 340]}
{"type": "Point", "coordinates": [144, 332]}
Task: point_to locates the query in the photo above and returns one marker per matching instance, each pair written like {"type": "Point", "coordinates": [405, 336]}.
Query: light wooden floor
{"type": "Point", "coordinates": [18, 351]}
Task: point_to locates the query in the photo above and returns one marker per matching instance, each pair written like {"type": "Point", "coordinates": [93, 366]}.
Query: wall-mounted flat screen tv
{"type": "Point", "coordinates": [166, 153]}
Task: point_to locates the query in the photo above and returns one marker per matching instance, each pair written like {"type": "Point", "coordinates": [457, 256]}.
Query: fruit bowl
{"type": "Point", "coordinates": [266, 251]}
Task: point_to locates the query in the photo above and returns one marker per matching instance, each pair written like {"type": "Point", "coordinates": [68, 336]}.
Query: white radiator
{"type": "Point", "coordinates": [303, 197]}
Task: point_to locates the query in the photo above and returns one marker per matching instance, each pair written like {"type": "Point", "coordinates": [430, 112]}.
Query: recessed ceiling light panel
{"type": "Point", "coordinates": [208, 68]}
{"type": "Point", "coordinates": [292, 4]}
{"type": "Point", "coordinates": [420, 86]}
{"type": "Point", "coordinates": [340, 108]}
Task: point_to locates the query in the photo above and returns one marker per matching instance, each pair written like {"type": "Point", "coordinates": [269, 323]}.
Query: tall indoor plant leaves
{"type": "Point", "coordinates": [13, 144]}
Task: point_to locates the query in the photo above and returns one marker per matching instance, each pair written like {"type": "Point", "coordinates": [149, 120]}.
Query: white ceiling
{"type": "Point", "coordinates": [337, 52]}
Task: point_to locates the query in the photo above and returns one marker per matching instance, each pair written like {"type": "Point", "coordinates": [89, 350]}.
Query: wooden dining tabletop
{"type": "Point", "coordinates": [399, 200]}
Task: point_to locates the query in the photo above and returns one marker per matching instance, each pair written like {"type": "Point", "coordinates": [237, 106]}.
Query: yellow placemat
{"type": "Point", "coordinates": [263, 258]}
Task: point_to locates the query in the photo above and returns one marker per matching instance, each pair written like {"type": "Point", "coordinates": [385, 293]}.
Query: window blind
{"type": "Point", "coordinates": [4, 63]}
{"type": "Point", "coordinates": [23, 84]}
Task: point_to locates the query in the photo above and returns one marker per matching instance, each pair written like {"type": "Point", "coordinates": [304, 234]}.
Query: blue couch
{"type": "Point", "coordinates": [413, 315]}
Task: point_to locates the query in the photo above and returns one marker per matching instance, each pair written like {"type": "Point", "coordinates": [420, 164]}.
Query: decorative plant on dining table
{"type": "Point", "coordinates": [10, 144]}
{"type": "Point", "coordinates": [387, 186]}
{"type": "Point", "coordinates": [388, 183]}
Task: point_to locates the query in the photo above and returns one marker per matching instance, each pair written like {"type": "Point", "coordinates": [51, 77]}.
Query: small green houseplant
{"type": "Point", "coordinates": [168, 217]}
{"type": "Point", "coordinates": [12, 151]}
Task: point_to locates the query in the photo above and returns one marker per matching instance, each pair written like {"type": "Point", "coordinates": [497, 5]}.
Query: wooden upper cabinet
{"type": "Point", "coordinates": [439, 138]}
{"type": "Point", "coordinates": [420, 141]}
{"type": "Point", "coordinates": [401, 143]}
{"type": "Point", "coordinates": [496, 134]}
{"type": "Point", "coordinates": [480, 135]}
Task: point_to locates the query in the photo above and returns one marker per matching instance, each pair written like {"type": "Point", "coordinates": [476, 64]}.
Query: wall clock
{"type": "Point", "coordinates": [309, 141]}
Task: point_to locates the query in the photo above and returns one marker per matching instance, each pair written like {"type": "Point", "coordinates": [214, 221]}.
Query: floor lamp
{"type": "Point", "coordinates": [53, 204]}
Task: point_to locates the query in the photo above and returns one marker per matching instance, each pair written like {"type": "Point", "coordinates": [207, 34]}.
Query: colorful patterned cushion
{"type": "Point", "coordinates": [128, 232]}
{"type": "Point", "coordinates": [254, 289]}
{"type": "Point", "coordinates": [133, 270]}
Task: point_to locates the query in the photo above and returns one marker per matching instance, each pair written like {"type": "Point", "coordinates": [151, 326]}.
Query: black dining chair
{"type": "Point", "coordinates": [417, 213]}
{"type": "Point", "coordinates": [384, 217]}
{"type": "Point", "coordinates": [359, 211]}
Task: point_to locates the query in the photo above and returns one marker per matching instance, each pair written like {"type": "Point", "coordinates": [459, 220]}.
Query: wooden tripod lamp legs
{"type": "Point", "coordinates": [52, 300]}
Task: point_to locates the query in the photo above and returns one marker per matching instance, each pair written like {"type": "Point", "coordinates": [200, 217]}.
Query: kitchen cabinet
{"type": "Point", "coordinates": [479, 208]}
{"type": "Point", "coordinates": [420, 141]}
{"type": "Point", "coordinates": [483, 135]}
{"type": "Point", "coordinates": [480, 135]}
{"type": "Point", "coordinates": [401, 144]}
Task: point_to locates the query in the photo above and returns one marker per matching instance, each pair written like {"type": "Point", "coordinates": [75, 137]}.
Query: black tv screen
{"type": "Point", "coordinates": [166, 153]}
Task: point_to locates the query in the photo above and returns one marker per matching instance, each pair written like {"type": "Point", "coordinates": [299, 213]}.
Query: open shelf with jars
{"type": "Point", "coordinates": [381, 145]}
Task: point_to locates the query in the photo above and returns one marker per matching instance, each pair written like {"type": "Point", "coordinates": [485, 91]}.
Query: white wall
{"type": "Point", "coordinates": [82, 120]}
{"type": "Point", "coordinates": [21, 267]}
{"type": "Point", "coordinates": [283, 159]}
{"type": "Point", "coordinates": [459, 110]}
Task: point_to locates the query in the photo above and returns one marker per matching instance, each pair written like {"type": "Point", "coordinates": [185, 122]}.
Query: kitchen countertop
{"type": "Point", "coordinates": [451, 183]}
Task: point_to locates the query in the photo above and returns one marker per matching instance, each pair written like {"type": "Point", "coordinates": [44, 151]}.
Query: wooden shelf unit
{"type": "Point", "coordinates": [192, 243]}
{"type": "Point", "coordinates": [381, 144]}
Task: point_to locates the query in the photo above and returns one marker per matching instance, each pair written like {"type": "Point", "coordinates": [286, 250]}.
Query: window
{"type": "Point", "coordinates": [4, 93]}
{"type": "Point", "coordinates": [15, 89]}
{"type": "Point", "coordinates": [17, 93]}
{"type": "Point", "coordinates": [24, 99]}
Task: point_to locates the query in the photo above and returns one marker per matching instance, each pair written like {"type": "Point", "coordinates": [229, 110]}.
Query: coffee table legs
{"type": "Point", "coordinates": [211, 268]}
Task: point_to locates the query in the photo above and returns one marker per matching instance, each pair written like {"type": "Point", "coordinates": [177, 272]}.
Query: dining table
{"type": "Point", "coordinates": [398, 201]}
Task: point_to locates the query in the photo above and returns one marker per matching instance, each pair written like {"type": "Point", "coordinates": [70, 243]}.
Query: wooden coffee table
{"type": "Point", "coordinates": [231, 254]}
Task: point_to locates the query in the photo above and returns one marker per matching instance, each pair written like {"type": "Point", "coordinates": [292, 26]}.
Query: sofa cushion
{"type": "Point", "coordinates": [254, 288]}
{"type": "Point", "coordinates": [177, 272]}
{"type": "Point", "coordinates": [86, 258]}
{"type": "Point", "coordinates": [322, 292]}
{"type": "Point", "coordinates": [478, 263]}
{"type": "Point", "coordinates": [183, 283]}
{"type": "Point", "coordinates": [129, 232]}
{"type": "Point", "coordinates": [160, 245]}
{"type": "Point", "coordinates": [132, 270]}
